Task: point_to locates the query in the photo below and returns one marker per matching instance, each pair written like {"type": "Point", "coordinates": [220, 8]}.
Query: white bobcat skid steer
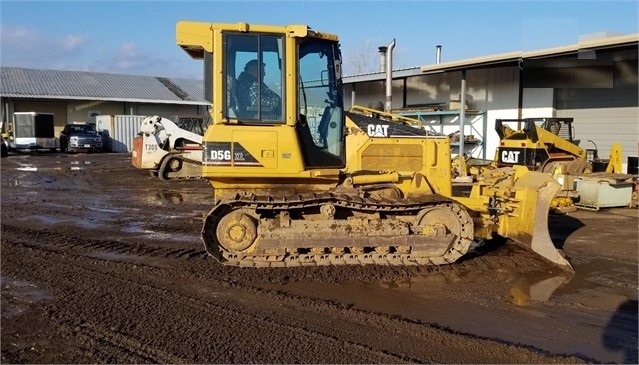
{"type": "Point", "coordinates": [167, 151]}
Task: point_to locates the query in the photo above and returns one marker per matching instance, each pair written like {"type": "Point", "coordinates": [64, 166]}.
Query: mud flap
{"type": "Point", "coordinates": [527, 225]}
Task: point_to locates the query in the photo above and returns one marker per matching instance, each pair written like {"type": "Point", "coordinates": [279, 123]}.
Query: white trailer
{"type": "Point", "coordinates": [31, 131]}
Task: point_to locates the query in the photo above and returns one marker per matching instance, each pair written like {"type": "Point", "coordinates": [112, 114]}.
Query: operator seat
{"type": "Point", "coordinates": [322, 128]}
{"type": "Point", "coordinates": [232, 96]}
{"type": "Point", "coordinates": [314, 155]}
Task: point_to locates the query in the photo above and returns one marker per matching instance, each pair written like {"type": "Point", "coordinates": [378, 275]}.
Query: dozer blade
{"type": "Point", "coordinates": [528, 225]}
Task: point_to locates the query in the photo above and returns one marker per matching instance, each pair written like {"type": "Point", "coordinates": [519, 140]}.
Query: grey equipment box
{"type": "Point", "coordinates": [604, 190]}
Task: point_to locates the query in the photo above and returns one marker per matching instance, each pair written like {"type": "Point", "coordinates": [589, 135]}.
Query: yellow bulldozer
{"type": "Point", "coordinates": [299, 180]}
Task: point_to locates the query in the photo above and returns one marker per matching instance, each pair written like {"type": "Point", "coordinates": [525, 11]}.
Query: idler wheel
{"type": "Point", "coordinates": [237, 231]}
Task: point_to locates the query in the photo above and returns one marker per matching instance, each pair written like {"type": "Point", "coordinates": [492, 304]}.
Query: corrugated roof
{"type": "Point", "coordinates": [503, 58]}
{"type": "Point", "coordinates": [547, 52]}
{"type": "Point", "coordinates": [83, 85]}
{"type": "Point", "coordinates": [380, 75]}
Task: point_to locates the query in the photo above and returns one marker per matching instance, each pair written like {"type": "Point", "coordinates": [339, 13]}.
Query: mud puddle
{"type": "Point", "coordinates": [502, 303]}
{"type": "Point", "coordinates": [176, 198]}
{"type": "Point", "coordinates": [49, 220]}
{"type": "Point", "coordinates": [134, 228]}
{"type": "Point", "coordinates": [17, 295]}
{"type": "Point", "coordinates": [508, 286]}
{"type": "Point", "coordinates": [138, 228]}
{"type": "Point", "coordinates": [72, 165]}
{"type": "Point", "coordinates": [128, 258]}
{"type": "Point", "coordinates": [600, 284]}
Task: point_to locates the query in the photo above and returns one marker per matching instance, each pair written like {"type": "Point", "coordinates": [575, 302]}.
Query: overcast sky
{"type": "Point", "coordinates": [138, 37]}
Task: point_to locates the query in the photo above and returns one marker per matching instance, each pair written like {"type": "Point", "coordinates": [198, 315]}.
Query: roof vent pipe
{"type": "Point", "coordinates": [382, 58]}
{"type": "Point", "coordinates": [389, 77]}
{"type": "Point", "coordinates": [438, 53]}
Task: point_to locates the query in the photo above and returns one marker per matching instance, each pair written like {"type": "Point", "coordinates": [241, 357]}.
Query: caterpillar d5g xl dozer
{"type": "Point", "coordinates": [304, 182]}
{"type": "Point", "coordinates": [168, 151]}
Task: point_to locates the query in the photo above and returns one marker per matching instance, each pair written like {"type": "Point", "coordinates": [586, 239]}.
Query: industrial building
{"type": "Point", "coordinates": [80, 96]}
{"type": "Point", "coordinates": [594, 81]}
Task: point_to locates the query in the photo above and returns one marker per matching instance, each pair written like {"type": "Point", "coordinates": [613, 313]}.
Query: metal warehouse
{"type": "Point", "coordinates": [78, 96]}
{"type": "Point", "coordinates": [595, 82]}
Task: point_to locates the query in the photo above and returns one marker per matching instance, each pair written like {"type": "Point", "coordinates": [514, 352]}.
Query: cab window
{"type": "Point", "coordinates": [254, 78]}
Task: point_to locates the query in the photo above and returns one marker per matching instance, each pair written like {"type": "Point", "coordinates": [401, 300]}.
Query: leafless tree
{"type": "Point", "coordinates": [362, 59]}
{"type": "Point", "coordinates": [365, 58]}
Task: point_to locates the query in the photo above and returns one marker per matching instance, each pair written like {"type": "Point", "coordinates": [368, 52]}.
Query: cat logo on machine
{"type": "Point", "coordinates": [510, 156]}
{"type": "Point", "coordinates": [377, 130]}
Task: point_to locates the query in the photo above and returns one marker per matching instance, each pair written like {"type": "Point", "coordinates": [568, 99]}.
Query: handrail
{"type": "Point", "coordinates": [390, 116]}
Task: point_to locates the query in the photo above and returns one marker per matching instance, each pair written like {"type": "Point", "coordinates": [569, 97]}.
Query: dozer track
{"type": "Point", "coordinates": [336, 229]}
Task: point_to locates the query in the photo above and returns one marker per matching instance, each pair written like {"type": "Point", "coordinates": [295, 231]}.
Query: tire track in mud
{"type": "Point", "coordinates": [332, 327]}
{"type": "Point", "coordinates": [48, 240]}
{"type": "Point", "coordinates": [213, 310]}
{"type": "Point", "coordinates": [113, 347]}
{"type": "Point", "coordinates": [135, 352]}
{"type": "Point", "coordinates": [329, 325]}
{"type": "Point", "coordinates": [503, 258]}
{"type": "Point", "coordinates": [486, 259]}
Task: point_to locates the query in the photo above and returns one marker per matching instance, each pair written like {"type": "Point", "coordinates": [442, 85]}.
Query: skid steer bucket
{"type": "Point", "coordinates": [527, 223]}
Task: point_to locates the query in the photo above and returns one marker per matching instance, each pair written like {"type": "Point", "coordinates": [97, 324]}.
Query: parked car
{"type": "Point", "coordinates": [5, 147]}
{"type": "Point", "coordinates": [80, 137]}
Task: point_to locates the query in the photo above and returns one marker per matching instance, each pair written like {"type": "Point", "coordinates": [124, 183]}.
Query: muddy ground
{"type": "Point", "coordinates": [102, 263]}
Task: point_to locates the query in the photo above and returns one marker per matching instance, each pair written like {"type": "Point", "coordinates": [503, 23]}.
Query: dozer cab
{"type": "Point", "coordinates": [305, 182]}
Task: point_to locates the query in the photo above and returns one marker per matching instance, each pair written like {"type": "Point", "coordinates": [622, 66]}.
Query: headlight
{"type": "Point", "coordinates": [73, 138]}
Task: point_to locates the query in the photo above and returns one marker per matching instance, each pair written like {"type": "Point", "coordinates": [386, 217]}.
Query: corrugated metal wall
{"type": "Point", "coordinates": [494, 88]}
{"type": "Point", "coordinates": [80, 111]}
{"type": "Point", "coordinates": [165, 111]}
{"type": "Point", "coordinates": [606, 115]}
{"type": "Point", "coordinates": [606, 127]}
{"type": "Point", "coordinates": [119, 130]}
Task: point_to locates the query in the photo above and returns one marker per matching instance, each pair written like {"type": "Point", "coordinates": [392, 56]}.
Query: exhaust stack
{"type": "Point", "coordinates": [382, 58]}
{"type": "Point", "coordinates": [389, 77]}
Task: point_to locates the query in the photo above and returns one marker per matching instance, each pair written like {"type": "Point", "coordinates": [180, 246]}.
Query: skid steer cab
{"type": "Point", "coordinates": [297, 180]}
{"type": "Point", "coordinates": [541, 144]}
{"type": "Point", "coordinates": [166, 150]}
